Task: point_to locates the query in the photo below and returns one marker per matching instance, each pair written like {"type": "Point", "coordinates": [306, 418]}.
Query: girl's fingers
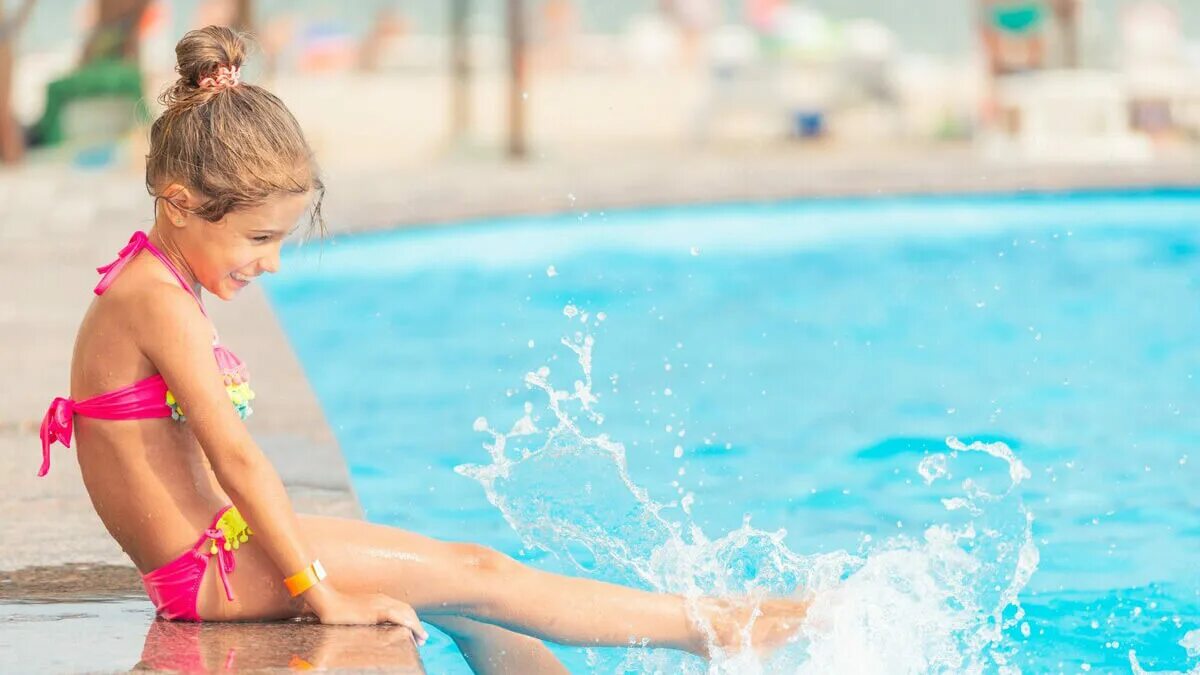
{"type": "Point", "coordinates": [408, 619]}
{"type": "Point", "coordinates": [418, 630]}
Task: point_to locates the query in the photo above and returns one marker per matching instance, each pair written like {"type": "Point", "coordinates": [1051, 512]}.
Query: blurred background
{"type": "Point", "coordinates": [404, 84]}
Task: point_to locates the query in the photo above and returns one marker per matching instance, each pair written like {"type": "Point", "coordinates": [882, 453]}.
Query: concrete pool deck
{"type": "Point", "coordinates": [58, 224]}
{"type": "Point", "coordinates": [121, 634]}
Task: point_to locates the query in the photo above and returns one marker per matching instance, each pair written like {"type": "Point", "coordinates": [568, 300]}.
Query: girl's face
{"type": "Point", "coordinates": [227, 255]}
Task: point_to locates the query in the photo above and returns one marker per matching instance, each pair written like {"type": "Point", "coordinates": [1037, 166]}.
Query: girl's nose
{"type": "Point", "coordinates": [270, 263]}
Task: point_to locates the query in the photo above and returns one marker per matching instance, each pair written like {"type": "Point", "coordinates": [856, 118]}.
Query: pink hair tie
{"type": "Point", "coordinates": [223, 78]}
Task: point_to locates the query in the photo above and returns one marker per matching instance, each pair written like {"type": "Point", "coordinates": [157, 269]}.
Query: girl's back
{"type": "Point", "coordinates": [148, 479]}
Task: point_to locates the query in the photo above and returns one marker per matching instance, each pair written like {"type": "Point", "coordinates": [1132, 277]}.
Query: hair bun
{"type": "Point", "coordinates": [201, 54]}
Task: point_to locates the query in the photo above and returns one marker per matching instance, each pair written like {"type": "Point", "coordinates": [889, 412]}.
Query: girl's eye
{"type": "Point", "coordinates": [262, 238]}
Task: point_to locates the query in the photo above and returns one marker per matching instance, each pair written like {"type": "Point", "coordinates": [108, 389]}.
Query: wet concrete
{"type": "Point", "coordinates": [121, 634]}
{"type": "Point", "coordinates": [73, 582]}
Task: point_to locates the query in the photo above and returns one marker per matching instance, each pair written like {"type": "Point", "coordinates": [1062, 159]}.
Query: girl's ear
{"type": "Point", "coordinates": [178, 202]}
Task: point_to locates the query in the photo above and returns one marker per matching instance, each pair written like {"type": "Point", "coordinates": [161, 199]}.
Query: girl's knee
{"type": "Point", "coordinates": [482, 559]}
{"type": "Point", "coordinates": [485, 579]}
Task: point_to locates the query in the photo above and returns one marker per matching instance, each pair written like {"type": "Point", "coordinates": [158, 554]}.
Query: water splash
{"type": "Point", "coordinates": [1190, 643]}
{"type": "Point", "coordinates": [946, 601]}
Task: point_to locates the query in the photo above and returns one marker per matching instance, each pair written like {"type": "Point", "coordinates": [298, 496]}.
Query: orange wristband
{"type": "Point", "coordinates": [305, 579]}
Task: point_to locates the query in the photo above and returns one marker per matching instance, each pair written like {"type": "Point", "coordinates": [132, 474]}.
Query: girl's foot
{"type": "Point", "coordinates": [736, 625]}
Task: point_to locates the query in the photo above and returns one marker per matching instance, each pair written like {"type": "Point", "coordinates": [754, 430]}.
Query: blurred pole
{"type": "Point", "coordinates": [1066, 12]}
{"type": "Point", "coordinates": [115, 35]}
{"type": "Point", "coordinates": [12, 140]}
{"type": "Point", "coordinates": [243, 16]}
{"type": "Point", "coordinates": [460, 70]}
{"type": "Point", "coordinates": [517, 79]}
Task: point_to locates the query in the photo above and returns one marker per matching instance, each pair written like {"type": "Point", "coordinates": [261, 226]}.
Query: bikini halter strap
{"type": "Point", "coordinates": [137, 243]}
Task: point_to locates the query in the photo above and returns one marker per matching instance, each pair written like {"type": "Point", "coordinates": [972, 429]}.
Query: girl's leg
{"type": "Point", "coordinates": [476, 582]}
{"type": "Point", "coordinates": [466, 580]}
{"type": "Point", "coordinates": [490, 649]}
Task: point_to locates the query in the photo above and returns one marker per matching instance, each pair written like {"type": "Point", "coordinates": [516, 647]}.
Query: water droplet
{"type": "Point", "coordinates": [933, 467]}
{"type": "Point", "coordinates": [551, 272]}
{"type": "Point", "coordinates": [678, 451]}
{"type": "Point", "coordinates": [695, 250]}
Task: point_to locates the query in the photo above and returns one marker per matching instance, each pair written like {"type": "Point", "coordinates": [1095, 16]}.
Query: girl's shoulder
{"type": "Point", "coordinates": [143, 284]}
{"type": "Point", "coordinates": [147, 302]}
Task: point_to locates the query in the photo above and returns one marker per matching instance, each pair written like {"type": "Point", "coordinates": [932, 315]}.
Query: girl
{"type": "Point", "coordinates": [180, 484]}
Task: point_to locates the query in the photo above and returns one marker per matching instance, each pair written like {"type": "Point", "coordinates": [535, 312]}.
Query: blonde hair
{"type": "Point", "coordinates": [234, 144]}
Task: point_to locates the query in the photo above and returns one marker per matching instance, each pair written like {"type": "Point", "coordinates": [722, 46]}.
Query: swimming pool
{"type": "Point", "coordinates": [802, 364]}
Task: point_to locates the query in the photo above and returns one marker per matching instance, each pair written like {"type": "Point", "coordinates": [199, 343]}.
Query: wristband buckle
{"type": "Point", "coordinates": [305, 579]}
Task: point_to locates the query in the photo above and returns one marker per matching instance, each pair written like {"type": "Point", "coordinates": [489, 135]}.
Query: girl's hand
{"type": "Point", "coordinates": [371, 608]}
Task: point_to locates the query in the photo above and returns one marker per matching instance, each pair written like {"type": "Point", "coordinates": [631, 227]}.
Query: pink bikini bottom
{"type": "Point", "coordinates": [175, 587]}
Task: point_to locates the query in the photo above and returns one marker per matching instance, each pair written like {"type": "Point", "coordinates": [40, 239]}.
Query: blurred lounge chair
{"type": "Point", "coordinates": [1163, 88]}
{"type": "Point", "coordinates": [1064, 115]}
{"type": "Point", "coordinates": [740, 85]}
{"type": "Point", "coordinates": [99, 102]}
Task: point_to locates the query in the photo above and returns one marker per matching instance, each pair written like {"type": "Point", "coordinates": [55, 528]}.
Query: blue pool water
{"type": "Point", "coordinates": [803, 365]}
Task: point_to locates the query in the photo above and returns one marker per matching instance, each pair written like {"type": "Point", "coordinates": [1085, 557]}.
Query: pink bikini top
{"type": "Point", "coordinates": [148, 398]}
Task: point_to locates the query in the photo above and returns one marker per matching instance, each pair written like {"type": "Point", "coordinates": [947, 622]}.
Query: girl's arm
{"type": "Point", "coordinates": [177, 339]}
